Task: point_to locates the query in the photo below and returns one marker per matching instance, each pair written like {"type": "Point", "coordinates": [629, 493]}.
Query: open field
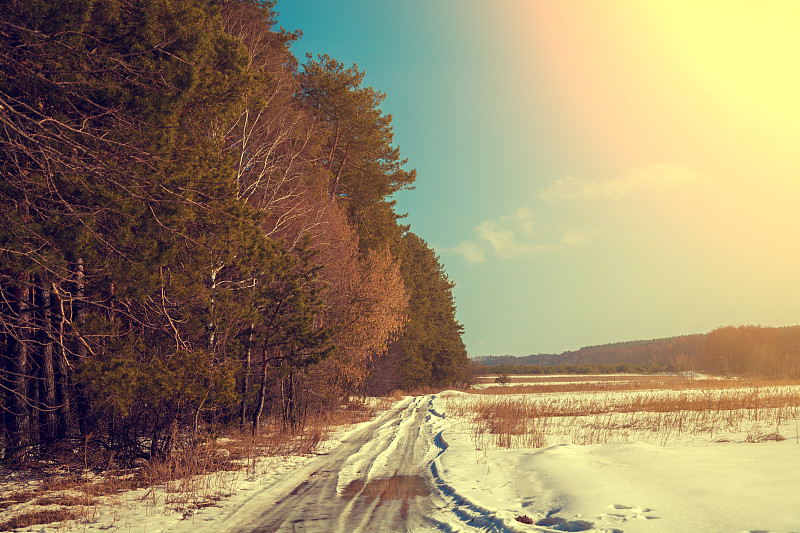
{"type": "Point", "coordinates": [578, 378]}
{"type": "Point", "coordinates": [614, 382]}
{"type": "Point", "coordinates": [627, 453]}
{"type": "Point", "coordinates": [540, 411]}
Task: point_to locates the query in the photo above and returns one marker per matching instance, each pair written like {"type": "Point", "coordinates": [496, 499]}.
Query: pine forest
{"type": "Point", "coordinates": [197, 229]}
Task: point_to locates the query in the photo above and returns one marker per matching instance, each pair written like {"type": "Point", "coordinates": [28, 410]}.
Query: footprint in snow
{"type": "Point", "coordinates": [562, 524]}
{"type": "Point", "coordinates": [527, 502]}
{"type": "Point", "coordinates": [627, 512]}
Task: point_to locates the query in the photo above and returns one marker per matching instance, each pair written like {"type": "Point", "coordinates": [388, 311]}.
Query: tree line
{"type": "Point", "coordinates": [195, 227]}
{"type": "Point", "coordinates": [755, 351]}
{"type": "Point", "coordinates": [661, 352]}
{"type": "Point", "coordinates": [480, 369]}
{"type": "Point", "coordinates": [772, 353]}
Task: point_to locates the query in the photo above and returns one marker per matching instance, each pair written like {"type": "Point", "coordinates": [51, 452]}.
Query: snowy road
{"type": "Point", "coordinates": [378, 479]}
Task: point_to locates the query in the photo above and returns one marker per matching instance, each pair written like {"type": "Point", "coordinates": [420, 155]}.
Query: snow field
{"type": "Point", "coordinates": [709, 476]}
{"type": "Point", "coordinates": [651, 416]}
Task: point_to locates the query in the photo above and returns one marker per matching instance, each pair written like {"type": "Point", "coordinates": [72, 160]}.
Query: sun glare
{"type": "Point", "coordinates": [742, 55]}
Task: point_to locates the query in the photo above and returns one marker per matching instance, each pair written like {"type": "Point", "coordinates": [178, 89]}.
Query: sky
{"type": "Point", "coordinates": [589, 172]}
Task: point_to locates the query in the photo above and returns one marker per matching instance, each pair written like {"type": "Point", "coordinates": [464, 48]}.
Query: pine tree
{"type": "Point", "coordinates": [365, 169]}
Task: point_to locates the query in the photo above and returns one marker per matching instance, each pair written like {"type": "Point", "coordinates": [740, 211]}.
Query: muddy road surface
{"type": "Point", "coordinates": [377, 480]}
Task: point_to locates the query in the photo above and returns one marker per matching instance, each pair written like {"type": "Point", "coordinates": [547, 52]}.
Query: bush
{"type": "Point", "coordinates": [503, 379]}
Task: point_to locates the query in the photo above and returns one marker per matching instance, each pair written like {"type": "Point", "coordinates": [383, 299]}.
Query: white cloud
{"type": "Point", "coordinates": [522, 219]}
{"type": "Point", "coordinates": [472, 251]}
{"type": "Point", "coordinates": [573, 237]}
{"type": "Point", "coordinates": [502, 237]}
{"type": "Point", "coordinates": [515, 235]}
{"type": "Point", "coordinates": [658, 178]}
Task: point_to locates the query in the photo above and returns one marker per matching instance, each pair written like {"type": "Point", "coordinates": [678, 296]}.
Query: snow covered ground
{"type": "Point", "coordinates": [691, 484]}
{"type": "Point", "coordinates": [241, 493]}
{"type": "Point", "coordinates": [693, 480]}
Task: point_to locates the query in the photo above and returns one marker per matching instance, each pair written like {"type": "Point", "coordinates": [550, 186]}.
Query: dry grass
{"type": "Point", "coordinates": [398, 394]}
{"type": "Point", "coordinates": [65, 500]}
{"type": "Point", "coordinates": [38, 517]}
{"type": "Point", "coordinates": [577, 378]}
{"type": "Point", "coordinates": [623, 383]}
{"type": "Point", "coordinates": [193, 477]}
{"type": "Point", "coordinates": [17, 497]}
{"type": "Point", "coordinates": [659, 414]}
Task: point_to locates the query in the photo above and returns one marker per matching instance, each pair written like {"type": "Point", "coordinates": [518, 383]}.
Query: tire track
{"type": "Point", "coordinates": [375, 480]}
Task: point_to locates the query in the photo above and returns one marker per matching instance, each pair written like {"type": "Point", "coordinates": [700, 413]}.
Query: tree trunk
{"type": "Point", "coordinates": [246, 379]}
{"type": "Point", "coordinates": [16, 411]}
{"type": "Point", "coordinates": [196, 419]}
{"type": "Point", "coordinates": [333, 148]}
{"type": "Point", "coordinates": [262, 392]}
{"type": "Point", "coordinates": [33, 402]}
{"type": "Point", "coordinates": [339, 173]}
{"type": "Point", "coordinates": [211, 326]}
{"type": "Point", "coordinates": [81, 351]}
{"type": "Point", "coordinates": [289, 420]}
{"type": "Point", "coordinates": [47, 431]}
{"type": "Point", "coordinates": [61, 368]}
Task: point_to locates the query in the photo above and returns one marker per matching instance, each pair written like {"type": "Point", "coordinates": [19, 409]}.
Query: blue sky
{"type": "Point", "coordinates": [584, 175]}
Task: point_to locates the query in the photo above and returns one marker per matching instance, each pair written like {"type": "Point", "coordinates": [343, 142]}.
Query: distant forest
{"type": "Point", "coordinates": [196, 226]}
{"type": "Point", "coordinates": [734, 351]}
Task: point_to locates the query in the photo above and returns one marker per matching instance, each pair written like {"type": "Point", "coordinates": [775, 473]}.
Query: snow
{"type": "Point", "coordinates": [683, 482]}
{"type": "Point", "coordinates": [692, 484]}
{"type": "Point", "coordinates": [372, 460]}
{"type": "Point", "coordinates": [243, 497]}
{"type": "Point", "coordinates": [709, 488]}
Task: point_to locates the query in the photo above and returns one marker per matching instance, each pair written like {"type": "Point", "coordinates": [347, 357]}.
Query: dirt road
{"type": "Point", "coordinates": [377, 480]}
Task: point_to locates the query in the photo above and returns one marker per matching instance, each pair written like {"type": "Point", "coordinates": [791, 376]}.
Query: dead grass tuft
{"type": "Point", "coordinates": [38, 517]}
{"type": "Point", "coordinates": [65, 500]}
{"type": "Point", "coordinates": [777, 437]}
{"type": "Point", "coordinates": [17, 497]}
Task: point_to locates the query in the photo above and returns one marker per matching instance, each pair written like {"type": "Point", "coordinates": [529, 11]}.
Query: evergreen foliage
{"type": "Point", "coordinates": [195, 229]}
{"type": "Point", "coordinates": [431, 351]}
